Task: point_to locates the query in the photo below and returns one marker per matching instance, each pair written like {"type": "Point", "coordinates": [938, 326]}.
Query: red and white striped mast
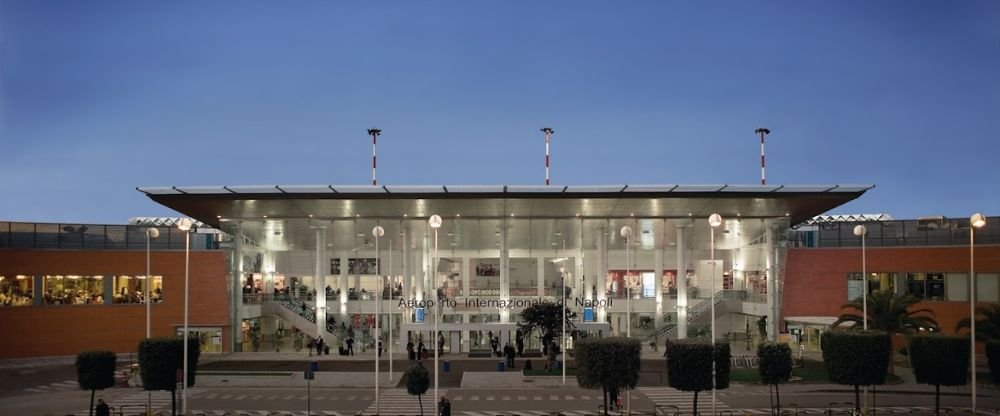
{"type": "Point", "coordinates": [762, 132]}
{"type": "Point", "coordinates": [374, 133]}
{"type": "Point", "coordinates": [548, 132]}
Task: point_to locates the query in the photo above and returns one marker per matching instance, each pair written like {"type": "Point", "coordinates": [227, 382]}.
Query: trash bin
{"type": "Point", "coordinates": [447, 366]}
{"type": "Point", "coordinates": [500, 365]}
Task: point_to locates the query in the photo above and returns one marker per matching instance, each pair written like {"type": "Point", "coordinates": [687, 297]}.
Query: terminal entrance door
{"type": "Point", "coordinates": [455, 344]}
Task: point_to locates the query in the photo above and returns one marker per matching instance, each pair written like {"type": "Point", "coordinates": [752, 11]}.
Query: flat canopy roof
{"type": "Point", "coordinates": [209, 204]}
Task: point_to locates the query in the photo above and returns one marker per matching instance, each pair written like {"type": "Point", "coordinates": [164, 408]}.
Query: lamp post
{"type": "Point", "coordinates": [626, 232]}
{"type": "Point", "coordinates": [562, 276]}
{"type": "Point", "coordinates": [374, 133]}
{"type": "Point", "coordinates": [435, 223]}
{"type": "Point", "coordinates": [388, 344]}
{"type": "Point", "coordinates": [861, 231]}
{"type": "Point", "coordinates": [976, 221]}
{"type": "Point", "coordinates": [185, 225]}
{"type": "Point", "coordinates": [151, 232]}
{"type": "Point", "coordinates": [714, 220]}
{"type": "Point", "coordinates": [377, 232]}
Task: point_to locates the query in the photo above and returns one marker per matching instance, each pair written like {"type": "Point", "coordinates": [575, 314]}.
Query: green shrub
{"type": "Point", "coordinates": [160, 358]}
{"type": "Point", "coordinates": [993, 357]}
{"type": "Point", "coordinates": [611, 364]}
{"type": "Point", "coordinates": [417, 382]}
{"type": "Point", "coordinates": [95, 370]}
{"type": "Point", "coordinates": [689, 366]}
{"type": "Point", "coordinates": [775, 365]}
{"type": "Point", "coordinates": [940, 360]}
{"type": "Point", "coordinates": [858, 358]}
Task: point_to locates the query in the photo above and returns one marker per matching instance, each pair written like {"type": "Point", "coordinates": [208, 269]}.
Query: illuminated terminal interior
{"type": "Point", "coordinates": [306, 257]}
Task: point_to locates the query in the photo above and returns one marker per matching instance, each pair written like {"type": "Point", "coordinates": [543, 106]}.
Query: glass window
{"type": "Point", "coordinates": [210, 339]}
{"type": "Point", "coordinates": [16, 290]}
{"type": "Point", "coordinates": [132, 289]}
{"type": "Point", "coordinates": [925, 285]}
{"type": "Point", "coordinates": [957, 287]}
{"type": "Point", "coordinates": [987, 287]}
{"type": "Point", "coordinates": [877, 281]}
{"type": "Point", "coordinates": [73, 290]}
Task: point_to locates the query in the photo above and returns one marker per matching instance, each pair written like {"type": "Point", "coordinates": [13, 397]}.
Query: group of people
{"type": "Point", "coordinates": [15, 297]}
{"type": "Point", "coordinates": [419, 352]}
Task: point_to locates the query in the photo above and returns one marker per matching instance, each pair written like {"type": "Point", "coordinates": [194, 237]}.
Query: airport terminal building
{"type": "Point", "coordinates": [273, 266]}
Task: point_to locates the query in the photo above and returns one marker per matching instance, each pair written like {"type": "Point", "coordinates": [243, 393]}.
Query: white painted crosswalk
{"type": "Point", "coordinates": [672, 399]}
{"type": "Point", "coordinates": [399, 402]}
{"type": "Point", "coordinates": [135, 403]}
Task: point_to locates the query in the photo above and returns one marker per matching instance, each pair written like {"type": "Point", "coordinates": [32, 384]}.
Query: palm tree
{"type": "Point", "coordinates": [987, 327]}
{"type": "Point", "coordinates": [890, 313]}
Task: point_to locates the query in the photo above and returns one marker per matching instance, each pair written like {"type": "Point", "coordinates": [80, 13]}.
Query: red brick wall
{"type": "Point", "coordinates": [816, 278]}
{"type": "Point", "coordinates": [68, 329]}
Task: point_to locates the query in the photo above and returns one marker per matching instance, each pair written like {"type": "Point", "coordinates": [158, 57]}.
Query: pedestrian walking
{"type": "Point", "coordinates": [410, 353]}
{"type": "Point", "coordinates": [444, 406]}
{"type": "Point", "coordinates": [102, 409]}
{"type": "Point", "coordinates": [508, 352]}
{"type": "Point", "coordinates": [350, 346]}
{"type": "Point", "coordinates": [380, 347]}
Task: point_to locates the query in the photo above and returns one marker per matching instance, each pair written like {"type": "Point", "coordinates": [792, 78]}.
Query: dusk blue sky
{"type": "Point", "coordinates": [99, 97]}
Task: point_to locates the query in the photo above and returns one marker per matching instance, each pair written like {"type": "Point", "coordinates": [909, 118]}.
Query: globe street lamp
{"type": "Point", "coordinates": [626, 233]}
{"type": "Point", "coordinates": [151, 232]}
{"type": "Point", "coordinates": [861, 231]}
{"type": "Point", "coordinates": [714, 220]}
{"type": "Point", "coordinates": [185, 225]}
{"type": "Point", "coordinates": [977, 221]}
{"type": "Point", "coordinates": [377, 232]}
{"type": "Point", "coordinates": [435, 223]}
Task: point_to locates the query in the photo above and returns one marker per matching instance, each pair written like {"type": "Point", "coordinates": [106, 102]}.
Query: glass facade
{"type": "Point", "coordinates": [472, 265]}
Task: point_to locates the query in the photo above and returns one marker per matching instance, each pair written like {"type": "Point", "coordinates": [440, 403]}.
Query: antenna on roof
{"type": "Point", "coordinates": [374, 133]}
{"type": "Point", "coordinates": [762, 132]}
{"type": "Point", "coordinates": [547, 131]}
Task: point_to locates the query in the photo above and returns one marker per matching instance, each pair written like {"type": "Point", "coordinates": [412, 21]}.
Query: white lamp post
{"type": "Point", "coordinates": [151, 232]}
{"type": "Point", "coordinates": [562, 275]}
{"type": "Point", "coordinates": [626, 233]}
{"type": "Point", "coordinates": [714, 220]}
{"type": "Point", "coordinates": [377, 232]}
{"type": "Point", "coordinates": [977, 221]}
{"type": "Point", "coordinates": [185, 225]}
{"type": "Point", "coordinates": [861, 231]}
{"type": "Point", "coordinates": [435, 223]}
{"type": "Point", "coordinates": [388, 344]}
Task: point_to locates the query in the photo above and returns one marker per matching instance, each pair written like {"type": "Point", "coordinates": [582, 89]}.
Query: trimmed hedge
{"type": "Point", "coordinates": [611, 364]}
{"type": "Point", "coordinates": [689, 366]}
{"type": "Point", "coordinates": [160, 358]}
{"type": "Point", "coordinates": [858, 358]}
{"type": "Point", "coordinates": [95, 370]}
{"type": "Point", "coordinates": [775, 362]}
{"type": "Point", "coordinates": [939, 359]}
{"type": "Point", "coordinates": [417, 382]}
{"type": "Point", "coordinates": [993, 357]}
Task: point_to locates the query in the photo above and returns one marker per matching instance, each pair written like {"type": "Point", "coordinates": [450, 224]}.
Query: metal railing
{"type": "Point", "coordinates": [99, 237]}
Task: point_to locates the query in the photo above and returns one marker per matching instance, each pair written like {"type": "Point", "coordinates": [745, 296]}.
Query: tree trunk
{"type": "Point", "coordinates": [695, 411]}
{"type": "Point", "coordinates": [892, 356]}
{"type": "Point", "coordinates": [857, 398]}
{"type": "Point", "coordinates": [421, 405]}
{"type": "Point", "coordinates": [777, 397]}
{"type": "Point", "coordinates": [604, 391]}
{"type": "Point", "coordinates": [770, 396]}
{"type": "Point", "coordinates": [92, 402]}
{"type": "Point", "coordinates": [937, 399]}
